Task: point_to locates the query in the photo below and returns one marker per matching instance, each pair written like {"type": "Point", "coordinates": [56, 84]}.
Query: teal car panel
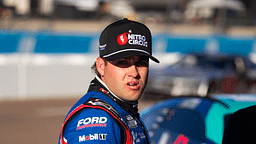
{"type": "Point", "coordinates": [214, 110]}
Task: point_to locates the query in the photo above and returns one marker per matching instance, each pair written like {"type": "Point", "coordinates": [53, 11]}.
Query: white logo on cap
{"type": "Point", "coordinates": [102, 47]}
{"type": "Point", "coordinates": [132, 39]}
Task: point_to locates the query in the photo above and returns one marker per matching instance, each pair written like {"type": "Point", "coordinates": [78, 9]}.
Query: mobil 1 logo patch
{"type": "Point", "coordinates": [92, 137]}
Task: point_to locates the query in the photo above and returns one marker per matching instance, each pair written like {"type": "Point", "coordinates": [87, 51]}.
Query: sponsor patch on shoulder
{"type": "Point", "coordinates": [132, 123]}
{"type": "Point", "coordinates": [92, 122]}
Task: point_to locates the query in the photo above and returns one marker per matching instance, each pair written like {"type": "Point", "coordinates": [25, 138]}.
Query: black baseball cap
{"type": "Point", "coordinates": [125, 38]}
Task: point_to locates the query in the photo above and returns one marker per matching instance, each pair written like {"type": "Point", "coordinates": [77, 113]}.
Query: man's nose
{"type": "Point", "coordinates": [133, 71]}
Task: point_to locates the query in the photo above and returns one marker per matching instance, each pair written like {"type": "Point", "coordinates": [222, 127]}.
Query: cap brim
{"type": "Point", "coordinates": [128, 54]}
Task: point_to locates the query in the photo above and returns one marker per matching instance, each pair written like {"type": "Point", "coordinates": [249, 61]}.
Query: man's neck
{"type": "Point", "coordinates": [133, 103]}
{"type": "Point", "coordinates": [107, 88]}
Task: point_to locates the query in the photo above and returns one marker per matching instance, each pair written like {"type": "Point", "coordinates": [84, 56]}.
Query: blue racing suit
{"type": "Point", "coordinates": [101, 117]}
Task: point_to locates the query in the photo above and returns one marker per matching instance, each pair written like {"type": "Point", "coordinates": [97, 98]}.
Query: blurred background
{"type": "Point", "coordinates": [206, 47]}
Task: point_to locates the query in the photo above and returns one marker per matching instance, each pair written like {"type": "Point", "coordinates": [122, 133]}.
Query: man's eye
{"type": "Point", "coordinates": [142, 64]}
{"type": "Point", "coordinates": [122, 63]}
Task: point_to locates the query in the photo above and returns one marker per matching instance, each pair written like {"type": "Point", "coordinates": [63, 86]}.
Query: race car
{"type": "Point", "coordinates": [192, 119]}
{"type": "Point", "coordinates": [202, 74]}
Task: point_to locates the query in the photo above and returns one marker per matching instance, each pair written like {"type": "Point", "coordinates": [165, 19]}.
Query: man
{"type": "Point", "coordinates": [108, 113]}
{"type": "Point", "coordinates": [241, 127]}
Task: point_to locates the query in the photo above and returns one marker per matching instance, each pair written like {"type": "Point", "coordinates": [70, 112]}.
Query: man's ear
{"type": "Point", "coordinates": [100, 65]}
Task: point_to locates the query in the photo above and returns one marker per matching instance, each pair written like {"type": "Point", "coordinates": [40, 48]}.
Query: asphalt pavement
{"type": "Point", "coordinates": [35, 121]}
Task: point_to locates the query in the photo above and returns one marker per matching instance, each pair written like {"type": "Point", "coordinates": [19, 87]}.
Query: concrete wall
{"type": "Point", "coordinates": [44, 76]}
{"type": "Point", "coordinates": [38, 65]}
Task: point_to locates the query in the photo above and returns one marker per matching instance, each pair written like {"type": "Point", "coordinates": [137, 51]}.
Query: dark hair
{"type": "Point", "coordinates": [94, 68]}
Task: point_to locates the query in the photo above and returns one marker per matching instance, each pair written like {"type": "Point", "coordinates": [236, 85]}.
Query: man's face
{"type": "Point", "coordinates": [126, 77]}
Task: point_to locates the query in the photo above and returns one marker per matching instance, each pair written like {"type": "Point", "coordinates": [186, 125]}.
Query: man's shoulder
{"type": "Point", "coordinates": [97, 113]}
{"type": "Point", "coordinates": [91, 118]}
{"type": "Point", "coordinates": [92, 111]}
{"type": "Point", "coordinates": [241, 126]}
{"type": "Point", "coordinates": [245, 113]}
{"type": "Point", "coordinates": [92, 125]}
{"type": "Point", "coordinates": [247, 110]}
{"type": "Point", "coordinates": [88, 95]}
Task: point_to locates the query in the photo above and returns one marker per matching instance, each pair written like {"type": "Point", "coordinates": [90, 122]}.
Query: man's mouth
{"type": "Point", "coordinates": [133, 85]}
